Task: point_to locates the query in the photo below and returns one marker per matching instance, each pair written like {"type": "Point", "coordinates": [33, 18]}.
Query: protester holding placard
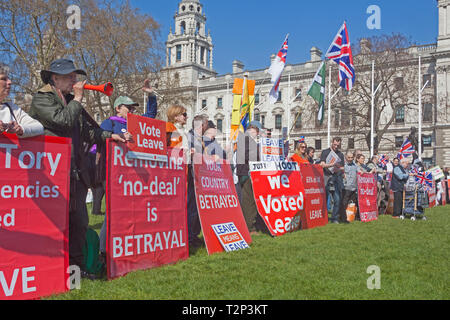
{"type": "Point", "coordinates": [248, 150]}
{"type": "Point", "coordinates": [12, 118]}
{"type": "Point", "coordinates": [63, 115]}
{"type": "Point", "coordinates": [332, 162]}
{"type": "Point", "coordinates": [115, 124]}
{"type": "Point", "coordinates": [310, 154]}
{"type": "Point", "coordinates": [350, 186]}
{"type": "Point", "coordinates": [399, 178]}
{"type": "Point", "coordinates": [195, 145]}
{"type": "Point", "coordinates": [211, 146]}
{"type": "Point", "coordinates": [362, 168]}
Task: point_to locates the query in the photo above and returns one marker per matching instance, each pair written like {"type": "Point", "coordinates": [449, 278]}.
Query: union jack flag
{"type": "Point", "coordinates": [425, 179]}
{"type": "Point", "coordinates": [383, 161]}
{"type": "Point", "coordinates": [406, 149]}
{"type": "Point", "coordinates": [341, 53]}
{"type": "Point", "coordinates": [276, 69]}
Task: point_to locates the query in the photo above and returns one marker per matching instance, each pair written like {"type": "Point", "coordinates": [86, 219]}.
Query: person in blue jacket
{"type": "Point", "coordinates": [118, 124]}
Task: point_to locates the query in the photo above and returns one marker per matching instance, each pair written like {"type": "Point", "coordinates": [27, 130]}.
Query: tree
{"type": "Point", "coordinates": [395, 71]}
{"type": "Point", "coordinates": [116, 43]}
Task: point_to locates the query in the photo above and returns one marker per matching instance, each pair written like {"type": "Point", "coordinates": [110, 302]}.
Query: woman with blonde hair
{"type": "Point", "coordinates": [175, 127]}
{"type": "Point", "coordinates": [300, 155]}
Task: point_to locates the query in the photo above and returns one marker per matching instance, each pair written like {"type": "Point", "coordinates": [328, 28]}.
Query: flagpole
{"type": "Point", "coordinates": [289, 106]}
{"type": "Point", "coordinates": [372, 111]}
{"type": "Point", "coordinates": [227, 124]}
{"type": "Point", "coordinates": [420, 109]}
{"type": "Point", "coordinates": [329, 107]}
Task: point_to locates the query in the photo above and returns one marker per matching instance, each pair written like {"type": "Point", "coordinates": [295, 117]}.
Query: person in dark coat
{"type": "Point", "coordinates": [62, 114]}
{"type": "Point", "coordinates": [399, 178]}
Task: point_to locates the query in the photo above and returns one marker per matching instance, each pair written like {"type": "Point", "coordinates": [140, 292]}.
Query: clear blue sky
{"type": "Point", "coordinates": [252, 30]}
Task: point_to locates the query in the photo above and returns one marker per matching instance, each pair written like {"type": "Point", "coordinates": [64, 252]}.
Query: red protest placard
{"type": "Point", "coordinates": [367, 196]}
{"type": "Point", "coordinates": [432, 196]}
{"type": "Point", "coordinates": [315, 213]}
{"type": "Point", "coordinates": [149, 138]}
{"type": "Point", "coordinates": [217, 201]}
{"type": "Point", "coordinates": [279, 195]}
{"type": "Point", "coordinates": [448, 187]}
{"type": "Point", "coordinates": [146, 211]}
{"type": "Point", "coordinates": [34, 210]}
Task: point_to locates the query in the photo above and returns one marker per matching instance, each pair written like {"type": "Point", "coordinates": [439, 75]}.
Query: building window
{"type": "Point", "coordinates": [279, 96]}
{"type": "Point", "coordinates": [354, 117]}
{"type": "Point", "coordinates": [427, 112]}
{"type": "Point", "coordinates": [400, 114]}
{"type": "Point", "coordinates": [202, 55]}
{"type": "Point", "coordinates": [203, 103]}
{"type": "Point", "coordinates": [425, 78]}
{"type": "Point", "coordinates": [219, 103]}
{"type": "Point", "coordinates": [318, 144]}
{"type": "Point", "coordinates": [278, 121]}
{"type": "Point", "coordinates": [179, 52]}
{"type": "Point", "coordinates": [398, 141]}
{"type": "Point", "coordinates": [298, 94]}
{"type": "Point", "coordinates": [298, 120]}
{"type": "Point", "coordinates": [398, 83]}
{"type": "Point", "coordinates": [256, 99]}
{"type": "Point", "coordinates": [345, 121]}
{"type": "Point", "coordinates": [426, 141]}
{"type": "Point", "coordinates": [219, 124]}
{"type": "Point", "coordinates": [351, 143]}
{"type": "Point", "coordinates": [336, 118]}
{"type": "Point", "coordinates": [263, 121]}
{"type": "Point", "coordinates": [427, 162]}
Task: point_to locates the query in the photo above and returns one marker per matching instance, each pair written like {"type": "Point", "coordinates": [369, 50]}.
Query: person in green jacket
{"type": "Point", "coordinates": [63, 115]}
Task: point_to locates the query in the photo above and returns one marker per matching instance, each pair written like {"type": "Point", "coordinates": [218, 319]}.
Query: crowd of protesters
{"type": "Point", "coordinates": [57, 110]}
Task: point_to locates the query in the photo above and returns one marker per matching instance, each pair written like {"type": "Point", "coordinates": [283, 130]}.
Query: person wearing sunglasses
{"type": "Point", "coordinates": [300, 155]}
{"type": "Point", "coordinates": [175, 127]}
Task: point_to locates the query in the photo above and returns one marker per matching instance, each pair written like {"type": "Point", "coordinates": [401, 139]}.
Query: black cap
{"type": "Point", "coordinates": [60, 66]}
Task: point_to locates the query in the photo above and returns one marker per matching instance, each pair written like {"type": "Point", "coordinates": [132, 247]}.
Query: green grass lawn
{"type": "Point", "coordinates": [329, 262]}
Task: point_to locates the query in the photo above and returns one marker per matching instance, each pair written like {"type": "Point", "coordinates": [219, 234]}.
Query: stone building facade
{"type": "Point", "coordinates": [189, 60]}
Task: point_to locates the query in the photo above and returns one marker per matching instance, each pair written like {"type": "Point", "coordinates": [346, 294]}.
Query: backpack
{"type": "Point", "coordinates": [91, 250]}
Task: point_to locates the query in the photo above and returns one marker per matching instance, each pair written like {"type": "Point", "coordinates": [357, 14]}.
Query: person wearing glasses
{"type": "Point", "coordinates": [175, 127]}
{"type": "Point", "coordinates": [300, 155]}
{"type": "Point", "coordinates": [12, 118]}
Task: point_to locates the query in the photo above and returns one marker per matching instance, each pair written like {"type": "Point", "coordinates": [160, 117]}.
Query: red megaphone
{"type": "Point", "coordinates": [106, 88]}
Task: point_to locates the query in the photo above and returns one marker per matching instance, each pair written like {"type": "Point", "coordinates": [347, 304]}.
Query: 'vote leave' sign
{"type": "Point", "coordinates": [149, 138]}
{"type": "Point", "coordinates": [279, 195]}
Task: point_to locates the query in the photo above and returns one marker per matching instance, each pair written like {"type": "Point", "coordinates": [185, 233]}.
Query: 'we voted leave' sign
{"type": "Point", "coordinates": [149, 138]}
{"type": "Point", "coordinates": [279, 195]}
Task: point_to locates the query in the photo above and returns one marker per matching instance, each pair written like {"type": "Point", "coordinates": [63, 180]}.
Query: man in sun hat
{"type": "Point", "coordinates": [62, 114]}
